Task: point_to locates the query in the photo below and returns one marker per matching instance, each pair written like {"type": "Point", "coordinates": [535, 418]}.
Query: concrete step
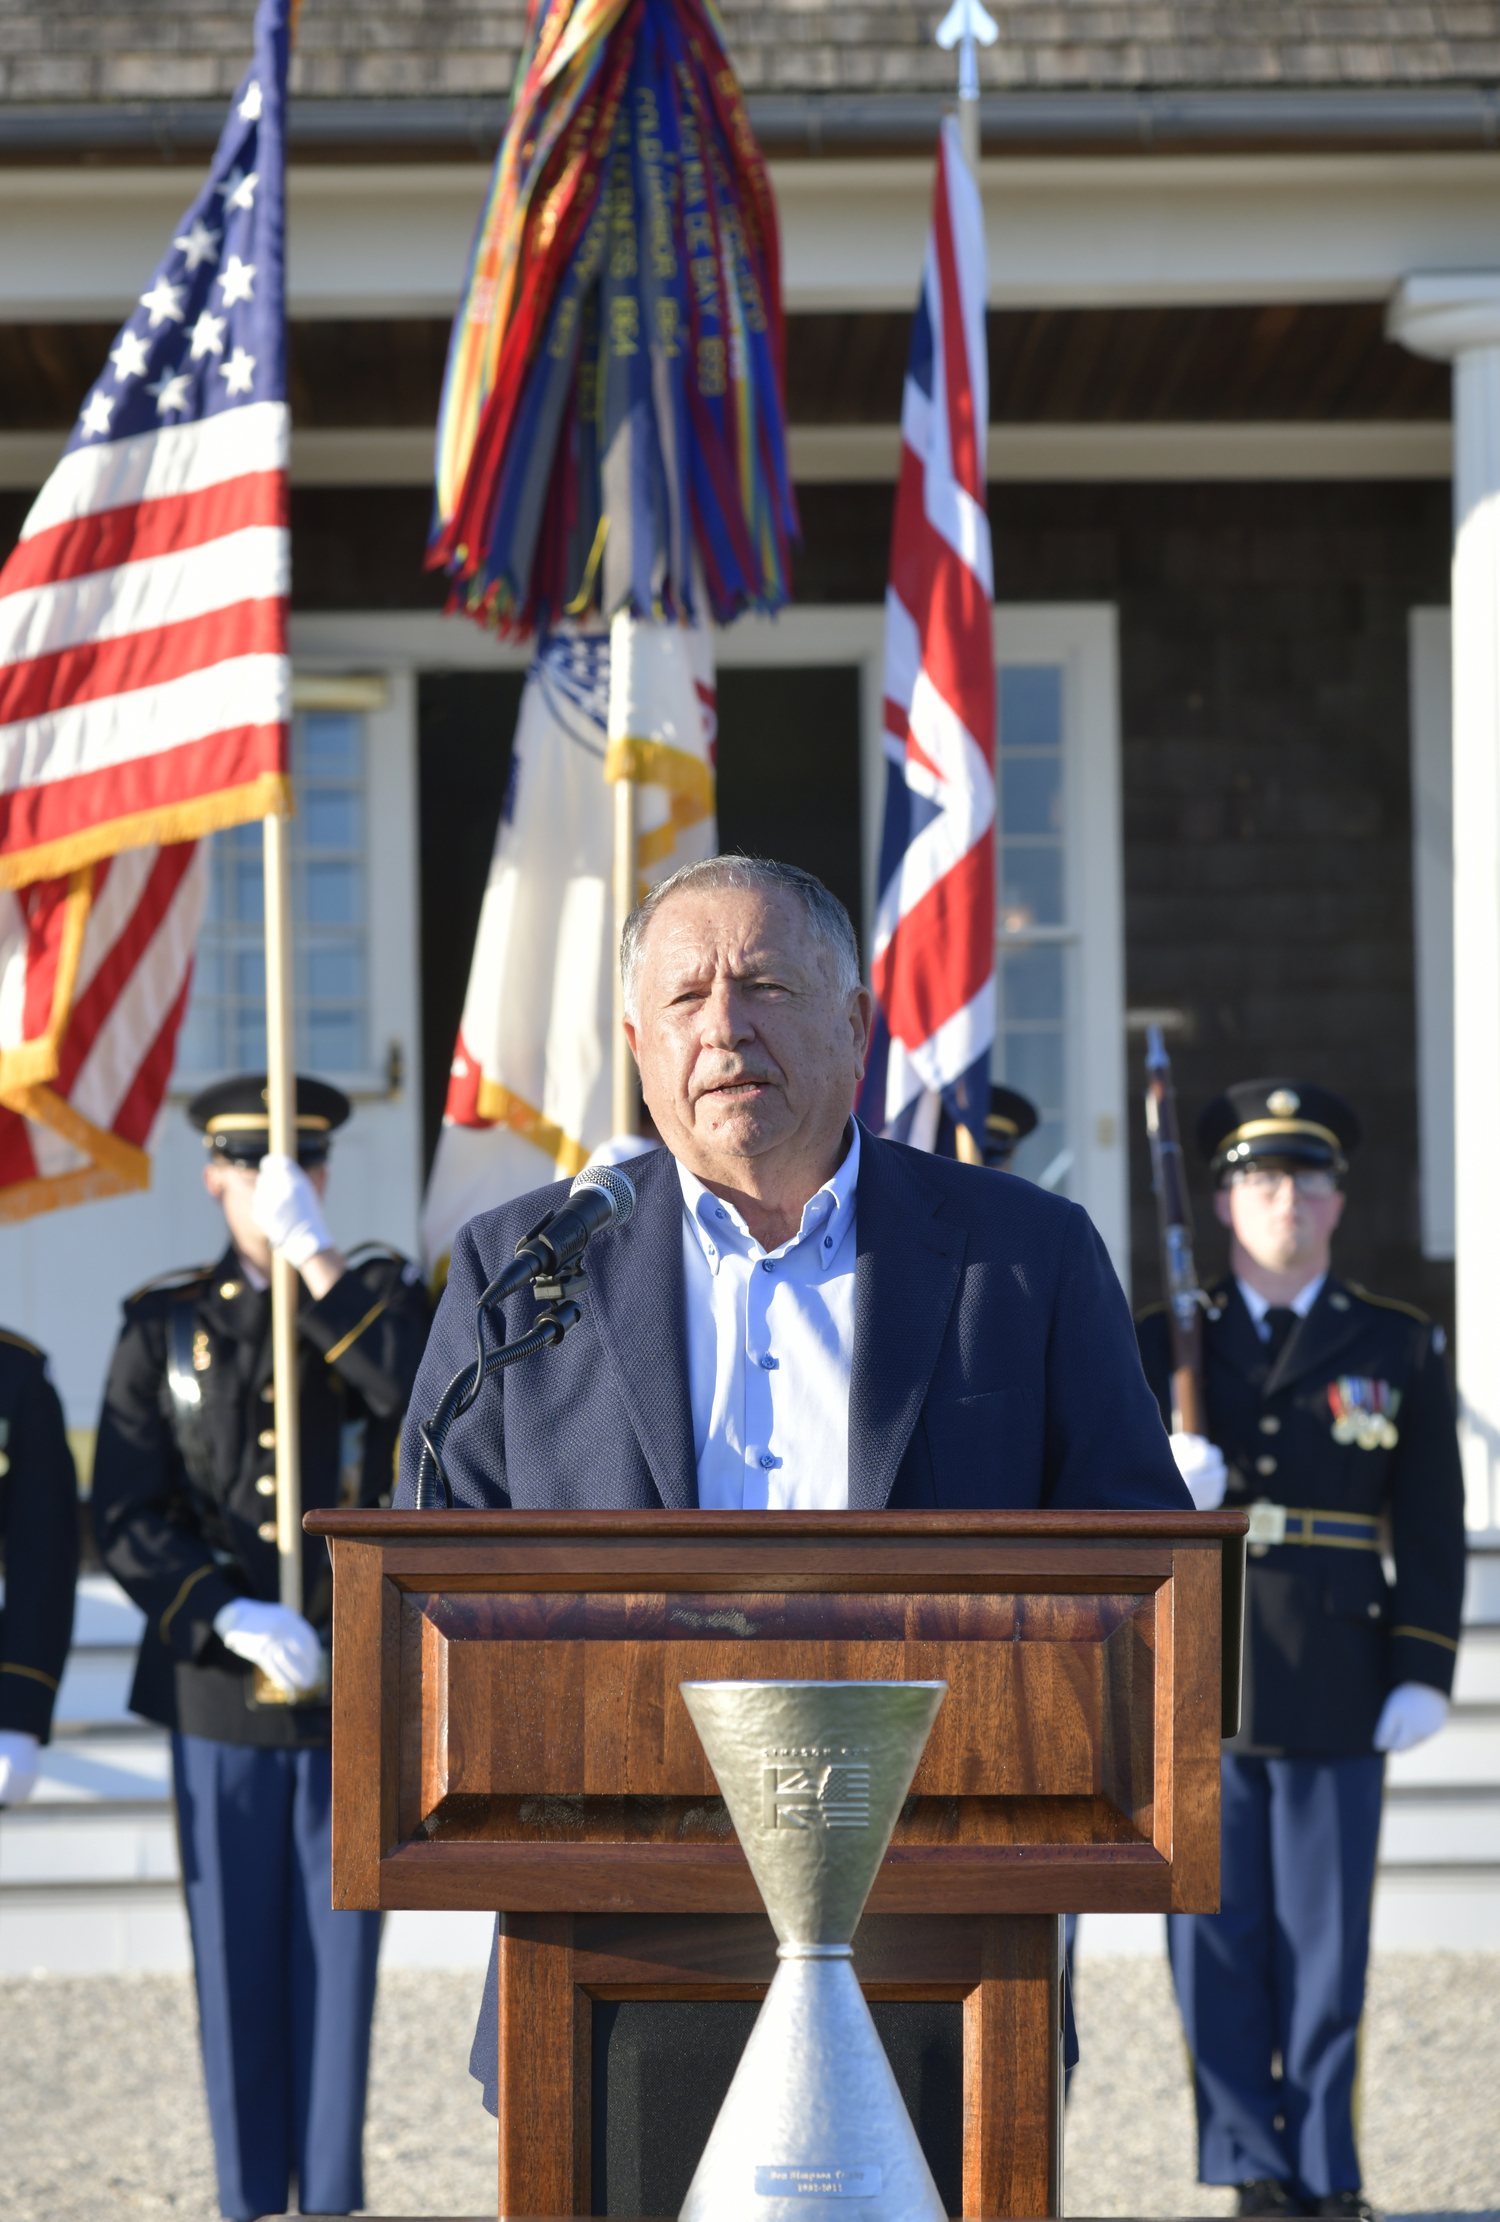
{"type": "Point", "coordinates": [1459, 1829]}
{"type": "Point", "coordinates": [1477, 1681]}
{"type": "Point", "coordinates": [1464, 1755]}
{"type": "Point", "coordinates": [59, 1845]}
{"type": "Point", "coordinates": [129, 1760]}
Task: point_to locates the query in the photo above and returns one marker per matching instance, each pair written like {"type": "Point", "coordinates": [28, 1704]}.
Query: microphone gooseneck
{"type": "Point", "coordinates": [601, 1198]}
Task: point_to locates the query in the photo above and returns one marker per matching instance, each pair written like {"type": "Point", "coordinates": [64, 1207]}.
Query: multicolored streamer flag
{"type": "Point", "coordinates": [613, 413]}
{"type": "Point", "coordinates": [933, 960]}
{"type": "Point", "coordinates": [144, 680]}
{"type": "Point", "coordinates": [529, 1090]}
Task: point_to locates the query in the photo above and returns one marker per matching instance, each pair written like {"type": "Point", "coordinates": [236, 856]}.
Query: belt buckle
{"type": "Point", "coordinates": [1267, 1525]}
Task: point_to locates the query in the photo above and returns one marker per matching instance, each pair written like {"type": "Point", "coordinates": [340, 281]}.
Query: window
{"type": "Point", "coordinates": [1059, 957]}
{"type": "Point", "coordinates": [225, 1027]}
{"type": "Point", "coordinates": [1032, 935]}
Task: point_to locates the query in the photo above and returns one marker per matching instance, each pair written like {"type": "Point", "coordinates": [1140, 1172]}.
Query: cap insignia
{"type": "Point", "coordinates": [1283, 1103]}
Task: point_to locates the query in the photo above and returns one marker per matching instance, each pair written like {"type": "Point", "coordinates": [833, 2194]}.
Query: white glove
{"type": "Point", "coordinates": [287, 1211]}
{"type": "Point", "coordinates": [274, 1638]}
{"type": "Point", "coordinates": [18, 1765]}
{"type": "Point", "coordinates": [1201, 1465]}
{"type": "Point", "coordinates": [1413, 1712]}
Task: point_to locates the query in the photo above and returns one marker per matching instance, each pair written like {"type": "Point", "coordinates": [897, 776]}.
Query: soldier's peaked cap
{"type": "Point", "coordinates": [235, 1121]}
{"type": "Point", "coordinates": [1290, 1120]}
{"type": "Point", "coordinates": [1010, 1117]}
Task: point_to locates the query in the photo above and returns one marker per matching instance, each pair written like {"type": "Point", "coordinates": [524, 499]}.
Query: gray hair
{"type": "Point", "coordinates": [826, 915]}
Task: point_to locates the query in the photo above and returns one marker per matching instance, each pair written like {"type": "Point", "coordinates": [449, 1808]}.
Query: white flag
{"type": "Point", "coordinates": [530, 1086]}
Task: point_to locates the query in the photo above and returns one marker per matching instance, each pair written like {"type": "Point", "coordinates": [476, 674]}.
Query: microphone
{"type": "Point", "coordinates": [600, 1198]}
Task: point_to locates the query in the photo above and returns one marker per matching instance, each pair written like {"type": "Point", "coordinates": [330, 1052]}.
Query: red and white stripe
{"type": "Point", "coordinates": [85, 1057]}
{"type": "Point", "coordinates": [933, 955]}
{"type": "Point", "coordinates": [144, 679]}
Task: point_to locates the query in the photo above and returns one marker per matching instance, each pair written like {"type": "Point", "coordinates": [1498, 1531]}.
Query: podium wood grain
{"type": "Point", "coordinates": [508, 1733]}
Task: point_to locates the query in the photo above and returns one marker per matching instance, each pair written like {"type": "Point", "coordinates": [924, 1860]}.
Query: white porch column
{"type": "Point", "coordinates": [1456, 317]}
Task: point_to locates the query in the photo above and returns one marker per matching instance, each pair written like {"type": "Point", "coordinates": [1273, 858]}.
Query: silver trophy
{"type": "Point", "coordinates": [813, 1774]}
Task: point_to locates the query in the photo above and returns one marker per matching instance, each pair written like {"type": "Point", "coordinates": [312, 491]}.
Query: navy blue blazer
{"type": "Point", "coordinates": [994, 1366]}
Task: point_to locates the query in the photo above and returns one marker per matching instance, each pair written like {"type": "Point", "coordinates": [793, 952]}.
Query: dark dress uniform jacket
{"type": "Point", "coordinates": [178, 1511]}
{"type": "Point", "coordinates": [1327, 1637]}
{"type": "Point", "coordinates": [38, 1537]}
{"type": "Point", "coordinates": [993, 1362]}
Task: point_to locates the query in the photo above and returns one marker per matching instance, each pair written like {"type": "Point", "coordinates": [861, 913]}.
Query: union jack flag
{"type": "Point", "coordinates": [144, 680]}
{"type": "Point", "coordinates": [933, 961]}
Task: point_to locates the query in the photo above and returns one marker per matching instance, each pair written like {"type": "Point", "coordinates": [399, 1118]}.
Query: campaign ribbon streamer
{"type": "Point", "coordinates": [613, 422]}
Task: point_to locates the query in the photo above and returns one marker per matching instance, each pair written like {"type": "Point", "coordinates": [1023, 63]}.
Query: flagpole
{"type": "Point", "coordinates": [623, 1117]}
{"type": "Point", "coordinates": [968, 25]}
{"type": "Point", "coordinates": [281, 1102]}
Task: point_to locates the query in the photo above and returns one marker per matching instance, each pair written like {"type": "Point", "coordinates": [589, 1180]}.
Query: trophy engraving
{"type": "Point", "coordinates": [813, 1775]}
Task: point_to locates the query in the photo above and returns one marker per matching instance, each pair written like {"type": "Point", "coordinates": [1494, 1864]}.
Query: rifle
{"type": "Point", "coordinates": [1174, 1218]}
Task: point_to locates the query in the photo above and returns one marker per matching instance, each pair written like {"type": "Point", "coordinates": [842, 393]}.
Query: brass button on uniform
{"type": "Point", "coordinates": [1338, 1303]}
{"type": "Point", "coordinates": [1265, 1465]}
{"type": "Point", "coordinates": [230, 1289]}
{"type": "Point", "coordinates": [267, 1438]}
{"type": "Point", "coordinates": [267, 1531]}
{"type": "Point", "coordinates": [268, 1393]}
{"type": "Point", "coordinates": [1270, 1425]}
{"type": "Point", "coordinates": [266, 1486]}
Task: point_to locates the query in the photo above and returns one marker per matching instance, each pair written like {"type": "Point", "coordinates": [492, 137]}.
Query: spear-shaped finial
{"type": "Point", "coordinates": [967, 23]}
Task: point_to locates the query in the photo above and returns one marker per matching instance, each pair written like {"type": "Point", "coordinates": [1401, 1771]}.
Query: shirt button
{"type": "Point", "coordinates": [768, 1265]}
{"type": "Point", "coordinates": [721, 1213]}
{"type": "Point", "coordinates": [1270, 1425]}
{"type": "Point", "coordinates": [828, 1241]}
{"type": "Point", "coordinates": [770, 1363]}
{"type": "Point", "coordinates": [1265, 1465]}
{"type": "Point", "coordinates": [766, 1459]}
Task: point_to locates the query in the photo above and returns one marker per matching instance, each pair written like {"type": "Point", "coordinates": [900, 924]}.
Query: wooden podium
{"type": "Point", "coordinates": [508, 1734]}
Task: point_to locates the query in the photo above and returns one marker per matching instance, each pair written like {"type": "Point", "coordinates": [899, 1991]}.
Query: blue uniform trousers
{"type": "Point", "coordinates": [1281, 1969]}
{"type": "Point", "coordinates": [286, 1986]}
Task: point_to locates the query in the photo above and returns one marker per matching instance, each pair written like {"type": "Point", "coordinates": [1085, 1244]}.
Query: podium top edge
{"type": "Point", "coordinates": [637, 1526]}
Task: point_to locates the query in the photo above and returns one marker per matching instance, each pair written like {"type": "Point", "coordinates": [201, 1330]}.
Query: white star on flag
{"type": "Point", "coordinates": [250, 106]}
{"type": "Point", "coordinates": [131, 357]}
{"type": "Point", "coordinates": [96, 415]}
{"type": "Point", "coordinates": [236, 372]}
{"type": "Point", "coordinates": [171, 390]}
{"type": "Point", "coordinates": [163, 301]}
{"type": "Point", "coordinates": [208, 335]}
{"type": "Point", "coordinates": [197, 244]}
{"type": "Point", "coordinates": [235, 279]}
{"type": "Point", "coordinates": [239, 190]}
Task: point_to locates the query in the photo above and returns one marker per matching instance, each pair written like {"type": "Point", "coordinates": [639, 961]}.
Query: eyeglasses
{"type": "Point", "coordinates": [1265, 1180]}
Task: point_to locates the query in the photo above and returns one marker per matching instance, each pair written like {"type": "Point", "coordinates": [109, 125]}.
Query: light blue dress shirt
{"type": "Point", "coordinates": [770, 1341]}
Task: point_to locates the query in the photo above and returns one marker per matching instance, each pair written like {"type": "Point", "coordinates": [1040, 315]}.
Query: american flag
{"type": "Point", "coordinates": [933, 960]}
{"type": "Point", "coordinates": [144, 680]}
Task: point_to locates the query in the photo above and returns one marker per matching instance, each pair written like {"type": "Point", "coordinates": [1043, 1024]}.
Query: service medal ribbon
{"type": "Point", "coordinates": [1364, 1411]}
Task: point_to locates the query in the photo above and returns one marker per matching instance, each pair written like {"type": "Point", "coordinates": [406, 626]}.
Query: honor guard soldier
{"type": "Point", "coordinates": [1331, 1424]}
{"type": "Point", "coordinates": [39, 1551]}
{"type": "Point", "coordinates": [185, 1509]}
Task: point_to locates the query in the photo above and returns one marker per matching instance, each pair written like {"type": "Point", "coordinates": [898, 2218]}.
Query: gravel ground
{"type": "Point", "coordinates": [101, 2107]}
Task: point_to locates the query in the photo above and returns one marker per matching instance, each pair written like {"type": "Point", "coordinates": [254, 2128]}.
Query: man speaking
{"type": "Point", "coordinates": [798, 1315]}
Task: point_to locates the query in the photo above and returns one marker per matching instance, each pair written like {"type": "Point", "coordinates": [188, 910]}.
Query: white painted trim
{"type": "Point", "coordinates": [393, 239]}
{"type": "Point", "coordinates": [1430, 681]}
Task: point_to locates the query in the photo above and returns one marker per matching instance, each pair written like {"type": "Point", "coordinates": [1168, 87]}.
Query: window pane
{"type": "Point", "coordinates": [332, 893]}
{"type": "Point", "coordinates": [1031, 985]}
{"type": "Point", "coordinates": [330, 818]}
{"type": "Point", "coordinates": [1031, 794]}
{"type": "Point", "coordinates": [1034, 1064]}
{"type": "Point", "coordinates": [1030, 705]}
{"type": "Point", "coordinates": [329, 742]}
{"type": "Point", "coordinates": [248, 886]}
{"type": "Point", "coordinates": [334, 1039]}
{"type": "Point", "coordinates": [335, 973]}
{"type": "Point", "coordinates": [250, 1041]}
{"type": "Point", "coordinates": [1030, 887]}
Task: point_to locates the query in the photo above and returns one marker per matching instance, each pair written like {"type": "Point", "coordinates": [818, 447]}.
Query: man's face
{"type": "Point", "coordinates": [1276, 1222]}
{"type": "Point", "coordinates": [746, 1047]}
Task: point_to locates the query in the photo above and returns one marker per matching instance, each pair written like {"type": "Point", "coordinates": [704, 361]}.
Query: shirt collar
{"type": "Point", "coordinates": [1258, 1306]}
{"type": "Point", "coordinates": [829, 1213]}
